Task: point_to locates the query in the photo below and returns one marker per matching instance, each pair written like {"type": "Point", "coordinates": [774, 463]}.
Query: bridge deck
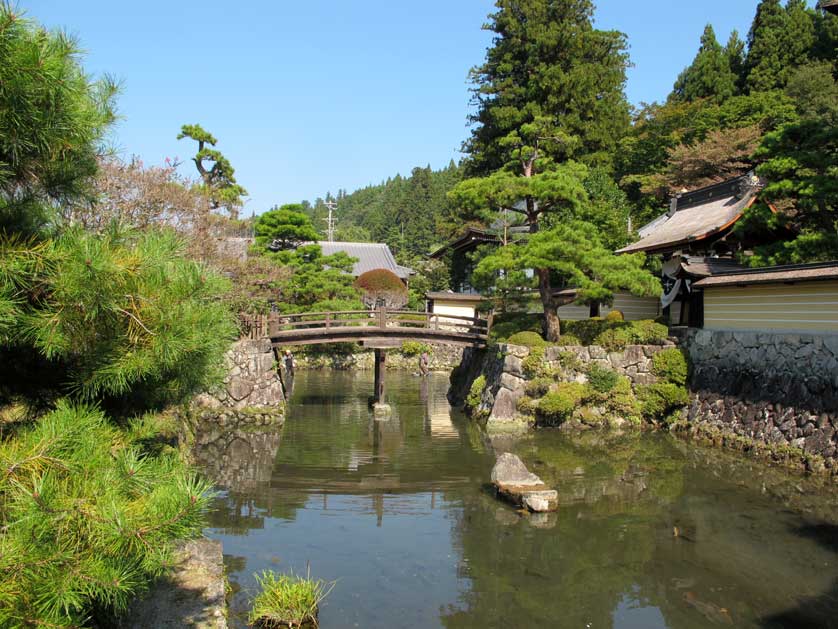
{"type": "Point", "coordinates": [367, 326]}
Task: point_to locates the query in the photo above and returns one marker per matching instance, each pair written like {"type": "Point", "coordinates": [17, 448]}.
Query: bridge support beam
{"type": "Point", "coordinates": [381, 410]}
{"type": "Point", "coordinates": [380, 393]}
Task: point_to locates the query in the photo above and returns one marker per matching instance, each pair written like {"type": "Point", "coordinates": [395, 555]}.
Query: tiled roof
{"type": "Point", "coordinates": [705, 267]}
{"type": "Point", "coordinates": [370, 255]}
{"type": "Point", "coordinates": [697, 215]}
{"type": "Point", "coordinates": [774, 275]}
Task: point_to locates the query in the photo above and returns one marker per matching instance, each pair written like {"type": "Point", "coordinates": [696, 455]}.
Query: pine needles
{"type": "Point", "coordinates": [88, 518]}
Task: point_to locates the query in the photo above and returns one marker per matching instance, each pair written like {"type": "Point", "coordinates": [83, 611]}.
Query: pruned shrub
{"type": "Point", "coordinates": [602, 379]}
{"type": "Point", "coordinates": [615, 339]}
{"type": "Point", "coordinates": [568, 340]}
{"type": "Point", "coordinates": [381, 287]}
{"type": "Point", "coordinates": [671, 365]}
{"type": "Point", "coordinates": [539, 386]}
{"type": "Point", "coordinates": [649, 332]}
{"type": "Point", "coordinates": [533, 365]}
{"type": "Point", "coordinates": [618, 335]}
{"type": "Point", "coordinates": [586, 330]}
{"type": "Point", "coordinates": [528, 339]}
{"type": "Point", "coordinates": [658, 401]}
{"type": "Point", "coordinates": [557, 406]}
{"type": "Point", "coordinates": [475, 393]}
{"type": "Point", "coordinates": [414, 348]}
{"type": "Point", "coordinates": [614, 316]}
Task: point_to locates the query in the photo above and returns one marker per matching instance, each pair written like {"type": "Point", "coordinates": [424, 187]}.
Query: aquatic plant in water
{"type": "Point", "coordinates": [287, 600]}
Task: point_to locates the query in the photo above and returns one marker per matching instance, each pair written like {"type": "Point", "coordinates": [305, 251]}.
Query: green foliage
{"type": "Point", "coordinates": [614, 316]}
{"type": "Point", "coordinates": [573, 255]}
{"type": "Point", "coordinates": [537, 82]}
{"type": "Point", "coordinates": [710, 75]}
{"type": "Point", "coordinates": [216, 171]}
{"type": "Point", "coordinates": [120, 312]}
{"type": "Point", "coordinates": [533, 364]}
{"type": "Point", "coordinates": [508, 323]}
{"type": "Point", "coordinates": [568, 340]}
{"type": "Point", "coordinates": [475, 393]}
{"type": "Point", "coordinates": [528, 339]}
{"type": "Point", "coordinates": [557, 406]}
{"type": "Point", "coordinates": [414, 348]}
{"type": "Point", "coordinates": [671, 365]}
{"type": "Point", "coordinates": [602, 379]}
{"type": "Point", "coordinates": [539, 386]}
{"type": "Point", "coordinates": [88, 518]}
{"type": "Point", "coordinates": [618, 335]}
{"type": "Point", "coordinates": [285, 227]}
{"type": "Point", "coordinates": [660, 400]}
{"type": "Point", "coordinates": [286, 600]}
{"type": "Point", "coordinates": [53, 120]}
{"type": "Point", "coordinates": [412, 214]}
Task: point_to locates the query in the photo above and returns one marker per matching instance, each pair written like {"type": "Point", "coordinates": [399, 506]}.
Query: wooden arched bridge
{"type": "Point", "coordinates": [380, 327]}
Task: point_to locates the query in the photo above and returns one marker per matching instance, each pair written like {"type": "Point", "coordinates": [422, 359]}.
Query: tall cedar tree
{"type": "Point", "coordinates": [709, 75]}
{"type": "Point", "coordinates": [551, 90]}
{"type": "Point", "coordinates": [780, 39]}
{"type": "Point", "coordinates": [551, 85]}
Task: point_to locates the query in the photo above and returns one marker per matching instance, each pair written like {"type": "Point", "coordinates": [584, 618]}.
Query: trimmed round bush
{"type": "Point", "coordinates": [381, 286]}
{"type": "Point", "coordinates": [648, 332]}
{"type": "Point", "coordinates": [586, 330]}
{"type": "Point", "coordinates": [414, 348]}
{"type": "Point", "coordinates": [658, 401]}
{"type": "Point", "coordinates": [615, 339]}
{"type": "Point", "coordinates": [614, 316]}
{"type": "Point", "coordinates": [671, 365]}
{"type": "Point", "coordinates": [557, 406]}
{"type": "Point", "coordinates": [529, 339]}
{"type": "Point", "coordinates": [568, 340]}
{"type": "Point", "coordinates": [602, 379]}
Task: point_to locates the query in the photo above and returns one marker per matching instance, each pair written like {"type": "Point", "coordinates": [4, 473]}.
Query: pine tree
{"type": "Point", "coordinates": [284, 227]}
{"type": "Point", "coordinates": [710, 75]}
{"type": "Point", "coordinates": [551, 90]}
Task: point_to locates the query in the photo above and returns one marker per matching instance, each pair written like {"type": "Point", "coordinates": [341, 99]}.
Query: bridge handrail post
{"type": "Point", "coordinates": [328, 320]}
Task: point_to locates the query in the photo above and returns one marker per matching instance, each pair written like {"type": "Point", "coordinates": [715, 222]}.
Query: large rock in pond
{"type": "Point", "coordinates": [520, 487]}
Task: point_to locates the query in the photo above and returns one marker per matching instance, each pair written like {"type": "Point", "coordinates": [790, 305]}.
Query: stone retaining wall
{"type": "Point", "coordinates": [503, 367]}
{"type": "Point", "coordinates": [443, 358]}
{"type": "Point", "coordinates": [778, 389]}
{"type": "Point", "coordinates": [251, 387]}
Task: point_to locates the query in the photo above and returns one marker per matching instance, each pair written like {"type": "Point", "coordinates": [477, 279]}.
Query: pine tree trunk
{"type": "Point", "coordinates": [551, 324]}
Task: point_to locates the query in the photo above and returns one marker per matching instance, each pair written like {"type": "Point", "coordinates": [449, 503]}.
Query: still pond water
{"type": "Point", "coordinates": [650, 533]}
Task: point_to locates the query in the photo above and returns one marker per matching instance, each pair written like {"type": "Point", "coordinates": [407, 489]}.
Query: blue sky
{"type": "Point", "coordinates": [309, 97]}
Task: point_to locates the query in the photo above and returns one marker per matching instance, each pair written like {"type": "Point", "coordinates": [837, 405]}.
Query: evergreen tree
{"type": "Point", "coordinates": [735, 52]}
{"type": "Point", "coordinates": [216, 171]}
{"type": "Point", "coordinates": [710, 74]}
{"type": "Point", "coordinates": [551, 84]}
{"type": "Point", "coordinates": [765, 57]}
{"type": "Point", "coordinates": [285, 227]}
{"type": "Point", "coordinates": [576, 258]}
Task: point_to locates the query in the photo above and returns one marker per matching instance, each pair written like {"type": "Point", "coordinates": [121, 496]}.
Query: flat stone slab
{"type": "Point", "coordinates": [191, 596]}
{"type": "Point", "coordinates": [515, 484]}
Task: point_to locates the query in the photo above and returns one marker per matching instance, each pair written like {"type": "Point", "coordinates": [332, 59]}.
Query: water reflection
{"type": "Point", "coordinates": [650, 532]}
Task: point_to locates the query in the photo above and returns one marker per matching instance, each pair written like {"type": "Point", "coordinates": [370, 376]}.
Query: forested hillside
{"type": "Point", "coordinates": [411, 214]}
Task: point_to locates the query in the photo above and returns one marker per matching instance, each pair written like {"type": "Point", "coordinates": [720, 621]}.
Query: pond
{"type": "Point", "coordinates": [651, 532]}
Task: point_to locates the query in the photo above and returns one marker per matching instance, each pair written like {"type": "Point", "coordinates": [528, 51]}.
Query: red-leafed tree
{"type": "Point", "coordinates": [381, 287]}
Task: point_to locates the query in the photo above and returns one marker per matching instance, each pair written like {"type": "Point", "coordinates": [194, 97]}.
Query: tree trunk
{"type": "Point", "coordinates": [551, 324]}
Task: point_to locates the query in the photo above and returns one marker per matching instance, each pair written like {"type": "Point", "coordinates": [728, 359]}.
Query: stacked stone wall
{"type": "Point", "coordinates": [503, 368]}
{"type": "Point", "coordinates": [443, 358]}
{"type": "Point", "coordinates": [252, 387]}
{"type": "Point", "coordinates": [780, 389]}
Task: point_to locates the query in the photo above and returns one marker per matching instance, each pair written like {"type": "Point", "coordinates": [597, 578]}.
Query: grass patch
{"type": "Point", "coordinates": [287, 600]}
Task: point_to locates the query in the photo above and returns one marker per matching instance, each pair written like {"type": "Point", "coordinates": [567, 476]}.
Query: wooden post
{"type": "Point", "coordinates": [380, 391]}
{"type": "Point", "coordinates": [328, 320]}
{"type": "Point", "coordinates": [382, 317]}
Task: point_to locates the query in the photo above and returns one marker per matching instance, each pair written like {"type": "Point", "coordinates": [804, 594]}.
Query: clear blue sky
{"type": "Point", "coordinates": [309, 97]}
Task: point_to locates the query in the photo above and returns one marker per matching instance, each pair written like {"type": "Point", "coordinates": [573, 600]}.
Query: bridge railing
{"type": "Point", "coordinates": [274, 324]}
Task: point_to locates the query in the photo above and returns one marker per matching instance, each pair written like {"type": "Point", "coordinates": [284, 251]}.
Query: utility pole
{"type": "Point", "coordinates": [330, 222]}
